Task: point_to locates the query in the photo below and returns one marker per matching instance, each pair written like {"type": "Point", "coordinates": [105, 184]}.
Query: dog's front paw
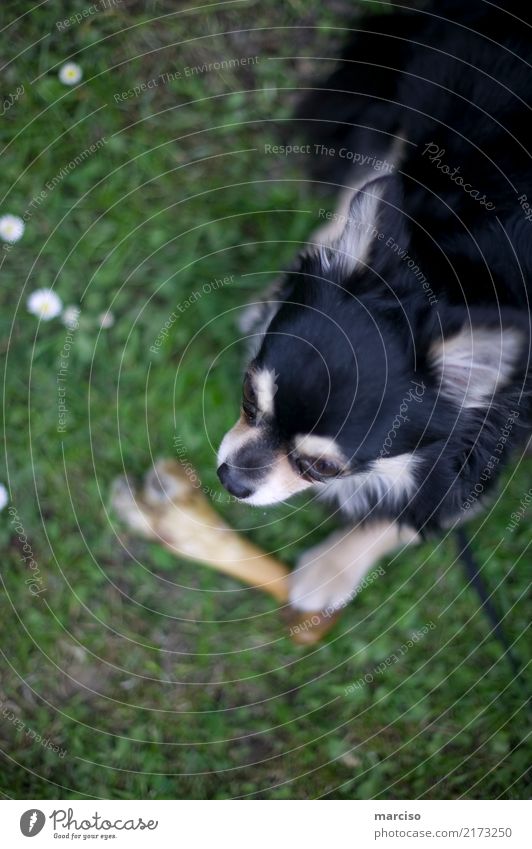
{"type": "Point", "coordinates": [320, 582]}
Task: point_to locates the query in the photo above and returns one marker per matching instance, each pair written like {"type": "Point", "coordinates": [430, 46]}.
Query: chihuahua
{"type": "Point", "coordinates": [392, 366]}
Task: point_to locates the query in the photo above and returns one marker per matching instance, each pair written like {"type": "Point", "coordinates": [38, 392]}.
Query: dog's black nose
{"type": "Point", "coordinates": [230, 478]}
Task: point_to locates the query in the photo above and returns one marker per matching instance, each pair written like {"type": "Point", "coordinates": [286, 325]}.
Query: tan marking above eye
{"type": "Point", "coordinates": [314, 447]}
{"type": "Point", "coordinates": [263, 381]}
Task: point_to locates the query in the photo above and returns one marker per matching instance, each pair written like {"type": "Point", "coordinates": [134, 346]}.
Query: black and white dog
{"type": "Point", "coordinates": [393, 365]}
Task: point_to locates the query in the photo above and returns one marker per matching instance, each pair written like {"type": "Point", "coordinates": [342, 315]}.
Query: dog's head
{"type": "Point", "coordinates": [357, 371]}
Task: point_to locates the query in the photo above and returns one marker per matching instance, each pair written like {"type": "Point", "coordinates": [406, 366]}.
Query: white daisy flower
{"type": "Point", "coordinates": [70, 73]}
{"type": "Point", "coordinates": [11, 228]}
{"type": "Point", "coordinates": [70, 317]}
{"type": "Point", "coordinates": [106, 319]}
{"type": "Point", "coordinates": [44, 303]}
{"type": "Point", "coordinates": [4, 496]}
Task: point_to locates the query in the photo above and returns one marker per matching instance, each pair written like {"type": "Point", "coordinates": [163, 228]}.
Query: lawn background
{"type": "Point", "coordinates": [160, 679]}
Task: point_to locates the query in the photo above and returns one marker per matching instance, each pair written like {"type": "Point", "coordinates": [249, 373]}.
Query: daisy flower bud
{"type": "Point", "coordinates": [11, 228]}
{"type": "Point", "coordinates": [106, 320]}
{"type": "Point", "coordinates": [45, 304]}
{"type": "Point", "coordinates": [70, 73]}
{"type": "Point", "coordinates": [70, 317]}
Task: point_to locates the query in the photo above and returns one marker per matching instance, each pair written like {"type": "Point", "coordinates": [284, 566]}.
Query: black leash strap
{"type": "Point", "coordinates": [474, 576]}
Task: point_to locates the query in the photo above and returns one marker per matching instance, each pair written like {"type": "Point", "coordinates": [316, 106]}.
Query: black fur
{"type": "Point", "coordinates": [346, 345]}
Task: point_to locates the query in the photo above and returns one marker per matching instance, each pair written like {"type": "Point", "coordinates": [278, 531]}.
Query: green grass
{"type": "Point", "coordinates": [161, 679]}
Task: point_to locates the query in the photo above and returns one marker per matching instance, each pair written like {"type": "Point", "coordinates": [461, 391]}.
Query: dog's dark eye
{"type": "Point", "coordinates": [249, 401]}
{"type": "Point", "coordinates": [318, 468]}
{"type": "Point", "coordinates": [325, 468]}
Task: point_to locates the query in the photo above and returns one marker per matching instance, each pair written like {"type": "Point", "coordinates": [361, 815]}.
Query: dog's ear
{"type": "Point", "coordinates": [472, 360]}
{"type": "Point", "coordinates": [375, 231]}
